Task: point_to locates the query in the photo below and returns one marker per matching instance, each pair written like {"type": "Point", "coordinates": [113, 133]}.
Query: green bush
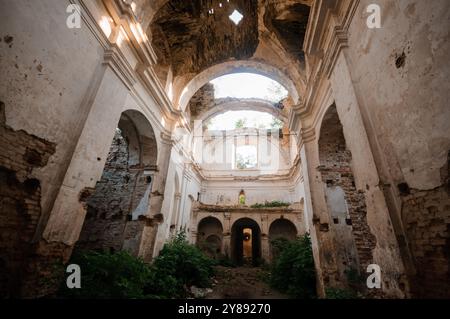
{"type": "Point", "coordinates": [109, 275]}
{"type": "Point", "coordinates": [277, 246]}
{"type": "Point", "coordinates": [179, 265]}
{"type": "Point", "coordinates": [293, 271]}
{"type": "Point", "coordinates": [338, 293]}
{"type": "Point", "coordinates": [122, 276]}
{"type": "Point", "coordinates": [267, 204]}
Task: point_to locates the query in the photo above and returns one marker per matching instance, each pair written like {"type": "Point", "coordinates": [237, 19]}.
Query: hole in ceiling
{"type": "Point", "coordinates": [236, 17]}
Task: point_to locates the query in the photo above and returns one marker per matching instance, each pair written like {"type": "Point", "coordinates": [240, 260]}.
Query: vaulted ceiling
{"type": "Point", "coordinates": [191, 37]}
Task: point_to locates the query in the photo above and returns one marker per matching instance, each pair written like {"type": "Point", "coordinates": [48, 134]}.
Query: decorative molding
{"type": "Point", "coordinates": [326, 37]}
{"type": "Point", "coordinates": [153, 85]}
{"type": "Point", "coordinates": [92, 24]}
{"type": "Point", "coordinates": [123, 15]}
{"type": "Point", "coordinates": [166, 138]}
{"type": "Point", "coordinates": [114, 58]}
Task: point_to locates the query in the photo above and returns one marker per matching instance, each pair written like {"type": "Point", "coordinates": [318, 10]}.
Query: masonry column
{"type": "Point", "coordinates": [317, 218]}
{"type": "Point", "coordinates": [226, 242]}
{"type": "Point", "coordinates": [386, 252]}
{"type": "Point", "coordinates": [154, 214]}
{"type": "Point", "coordinates": [85, 169]}
{"type": "Point", "coordinates": [265, 249]}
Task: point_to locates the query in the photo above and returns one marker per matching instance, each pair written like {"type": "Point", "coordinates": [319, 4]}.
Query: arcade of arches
{"type": "Point", "coordinates": [107, 141]}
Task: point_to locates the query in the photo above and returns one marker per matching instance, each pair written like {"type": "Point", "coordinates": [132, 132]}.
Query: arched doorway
{"type": "Point", "coordinates": [246, 242]}
{"type": "Point", "coordinates": [209, 236]}
{"type": "Point", "coordinates": [280, 230]}
{"type": "Point", "coordinates": [346, 205]}
{"type": "Point", "coordinates": [122, 194]}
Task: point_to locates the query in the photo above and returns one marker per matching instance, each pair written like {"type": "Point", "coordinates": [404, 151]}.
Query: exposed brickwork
{"type": "Point", "coordinates": [45, 271]}
{"type": "Point", "coordinates": [202, 100]}
{"type": "Point", "coordinates": [336, 169]}
{"type": "Point", "coordinates": [426, 216]}
{"type": "Point", "coordinates": [20, 201]}
{"type": "Point", "coordinates": [108, 221]}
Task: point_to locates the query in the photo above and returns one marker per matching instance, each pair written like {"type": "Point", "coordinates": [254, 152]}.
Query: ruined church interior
{"type": "Point", "coordinates": [240, 126]}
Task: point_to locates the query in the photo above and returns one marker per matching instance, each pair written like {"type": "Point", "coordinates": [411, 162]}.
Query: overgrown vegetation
{"type": "Point", "coordinates": [180, 265]}
{"type": "Point", "coordinates": [271, 204]}
{"type": "Point", "coordinates": [119, 275]}
{"type": "Point", "coordinates": [339, 293]}
{"type": "Point", "coordinates": [293, 270]}
{"type": "Point", "coordinates": [109, 275]}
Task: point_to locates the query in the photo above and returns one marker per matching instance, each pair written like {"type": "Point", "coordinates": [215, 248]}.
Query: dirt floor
{"type": "Point", "coordinates": [242, 283]}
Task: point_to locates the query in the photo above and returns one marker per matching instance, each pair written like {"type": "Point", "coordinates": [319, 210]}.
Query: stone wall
{"type": "Point", "coordinates": [406, 116]}
{"type": "Point", "coordinates": [426, 215]}
{"type": "Point", "coordinates": [109, 220]}
{"type": "Point", "coordinates": [20, 201]}
{"type": "Point", "coordinates": [336, 170]}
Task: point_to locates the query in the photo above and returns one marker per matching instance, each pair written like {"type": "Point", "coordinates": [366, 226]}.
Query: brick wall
{"type": "Point", "coordinates": [426, 216]}
{"type": "Point", "coordinates": [336, 170]}
{"type": "Point", "coordinates": [20, 201]}
{"type": "Point", "coordinates": [108, 221]}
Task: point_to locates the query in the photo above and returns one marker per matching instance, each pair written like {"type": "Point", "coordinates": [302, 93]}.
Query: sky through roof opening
{"type": "Point", "coordinates": [232, 120]}
{"type": "Point", "coordinates": [247, 86]}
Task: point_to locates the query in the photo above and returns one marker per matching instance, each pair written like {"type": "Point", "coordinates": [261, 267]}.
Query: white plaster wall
{"type": "Point", "coordinates": [407, 106]}
{"type": "Point", "coordinates": [227, 192]}
{"type": "Point", "coordinates": [189, 187]}
{"type": "Point", "coordinates": [46, 79]}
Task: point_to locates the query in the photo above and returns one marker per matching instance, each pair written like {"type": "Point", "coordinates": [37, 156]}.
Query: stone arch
{"type": "Point", "coordinates": [122, 195]}
{"type": "Point", "coordinates": [243, 105]}
{"type": "Point", "coordinates": [148, 147]}
{"type": "Point", "coordinates": [283, 229]}
{"type": "Point", "coordinates": [346, 205]}
{"type": "Point", "coordinates": [187, 90]}
{"type": "Point", "coordinates": [246, 245]}
{"type": "Point", "coordinates": [210, 236]}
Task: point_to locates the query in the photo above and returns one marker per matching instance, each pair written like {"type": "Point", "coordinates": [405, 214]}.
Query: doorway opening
{"type": "Point", "coordinates": [246, 242]}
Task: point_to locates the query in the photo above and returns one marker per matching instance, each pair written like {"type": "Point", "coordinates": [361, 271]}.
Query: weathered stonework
{"type": "Point", "coordinates": [109, 223]}
{"type": "Point", "coordinates": [67, 90]}
{"type": "Point", "coordinates": [336, 170]}
{"type": "Point", "coordinates": [20, 204]}
{"type": "Point", "coordinates": [426, 215]}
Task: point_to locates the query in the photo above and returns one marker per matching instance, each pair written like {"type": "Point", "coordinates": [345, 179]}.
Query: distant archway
{"type": "Point", "coordinates": [242, 66]}
{"type": "Point", "coordinates": [346, 205]}
{"type": "Point", "coordinates": [123, 193]}
{"type": "Point", "coordinates": [246, 242]}
{"type": "Point", "coordinates": [243, 105]}
{"type": "Point", "coordinates": [280, 230]}
{"type": "Point", "coordinates": [209, 236]}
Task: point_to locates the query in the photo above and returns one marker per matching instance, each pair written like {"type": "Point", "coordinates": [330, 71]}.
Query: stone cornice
{"type": "Point", "coordinates": [325, 39]}
{"type": "Point", "coordinates": [123, 17]}
{"type": "Point", "coordinates": [115, 59]}
{"type": "Point", "coordinates": [245, 209]}
{"type": "Point", "coordinates": [153, 85]}
{"type": "Point", "coordinates": [166, 138]}
{"type": "Point", "coordinates": [92, 24]}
